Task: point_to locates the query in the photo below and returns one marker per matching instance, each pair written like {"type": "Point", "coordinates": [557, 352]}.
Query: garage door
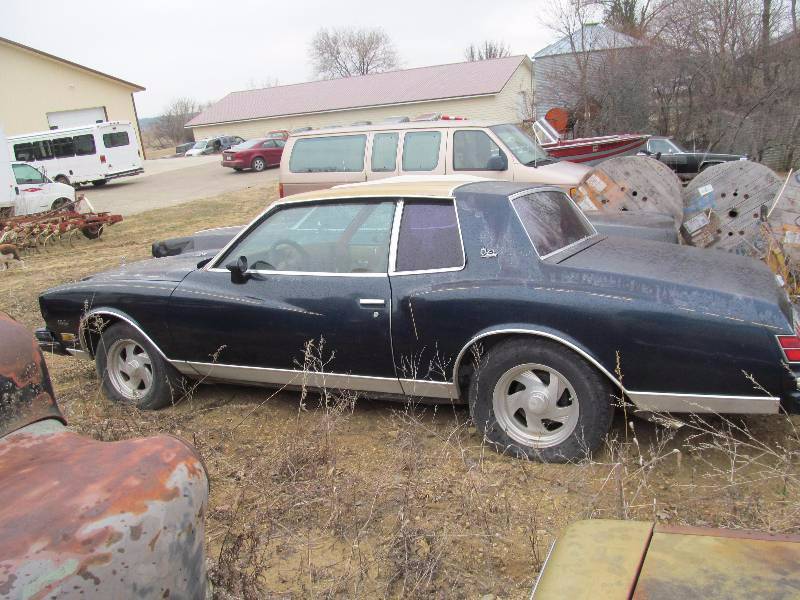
{"type": "Point", "coordinates": [75, 118]}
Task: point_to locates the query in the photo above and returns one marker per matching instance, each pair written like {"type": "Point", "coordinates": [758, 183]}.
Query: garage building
{"type": "Point", "coordinates": [41, 91]}
{"type": "Point", "coordinates": [497, 90]}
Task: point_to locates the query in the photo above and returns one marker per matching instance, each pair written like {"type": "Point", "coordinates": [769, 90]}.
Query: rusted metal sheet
{"type": "Point", "coordinates": [689, 563]}
{"type": "Point", "coordinates": [632, 183]}
{"type": "Point", "coordinates": [610, 560]}
{"type": "Point", "coordinates": [26, 394]}
{"type": "Point", "coordinates": [81, 518]}
{"type": "Point", "coordinates": [87, 519]}
{"type": "Point", "coordinates": [594, 559]}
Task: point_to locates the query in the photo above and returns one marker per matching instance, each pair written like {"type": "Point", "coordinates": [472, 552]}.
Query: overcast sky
{"type": "Point", "coordinates": [206, 48]}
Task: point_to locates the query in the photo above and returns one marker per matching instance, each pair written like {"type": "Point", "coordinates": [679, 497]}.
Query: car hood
{"type": "Point", "coordinates": [562, 173]}
{"type": "Point", "coordinates": [171, 268]}
{"type": "Point", "coordinates": [691, 279]}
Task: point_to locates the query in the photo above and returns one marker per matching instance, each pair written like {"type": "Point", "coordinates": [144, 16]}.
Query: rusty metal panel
{"type": "Point", "coordinates": [26, 394]}
{"type": "Point", "coordinates": [689, 563]}
{"type": "Point", "coordinates": [594, 559]}
{"type": "Point", "coordinates": [87, 519]}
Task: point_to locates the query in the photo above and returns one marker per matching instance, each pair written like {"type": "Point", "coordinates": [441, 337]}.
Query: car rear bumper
{"type": "Point", "coordinates": [235, 164]}
{"type": "Point", "coordinates": [127, 173]}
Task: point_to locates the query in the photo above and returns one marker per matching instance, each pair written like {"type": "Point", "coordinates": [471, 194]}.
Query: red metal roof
{"type": "Point", "coordinates": [394, 87]}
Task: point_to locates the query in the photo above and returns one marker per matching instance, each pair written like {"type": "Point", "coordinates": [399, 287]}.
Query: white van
{"type": "Point", "coordinates": [24, 190]}
{"type": "Point", "coordinates": [318, 159]}
{"type": "Point", "coordinates": [92, 153]}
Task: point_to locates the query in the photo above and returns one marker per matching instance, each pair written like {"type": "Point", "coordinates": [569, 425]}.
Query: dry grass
{"type": "Point", "coordinates": [328, 495]}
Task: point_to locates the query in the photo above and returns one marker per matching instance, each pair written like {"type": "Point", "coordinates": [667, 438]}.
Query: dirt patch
{"type": "Point", "coordinates": [329, 495]}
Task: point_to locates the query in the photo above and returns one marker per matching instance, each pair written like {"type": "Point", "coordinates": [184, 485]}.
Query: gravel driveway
{"type": "Point", "coordinates": [170, 181]}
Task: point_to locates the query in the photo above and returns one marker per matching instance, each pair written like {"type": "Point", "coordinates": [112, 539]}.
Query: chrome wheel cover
{"type": "Point", "coordinates": [535, 405]}
{"type": "Point", "coordinates": [129, 369]}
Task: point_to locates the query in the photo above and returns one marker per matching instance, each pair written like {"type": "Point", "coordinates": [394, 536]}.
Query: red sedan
{"type": "Point", "coordinates": [255, 154]}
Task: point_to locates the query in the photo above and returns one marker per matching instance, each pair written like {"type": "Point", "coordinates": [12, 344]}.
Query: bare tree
{"type": "Point", "coordinates": [347, 52]}
{"type": "Point", "coordinates": [169, 128]}
{"type": "Point", "coordinates": [486, 50]}
{"type": "Point", "coordinates": [264, 82]}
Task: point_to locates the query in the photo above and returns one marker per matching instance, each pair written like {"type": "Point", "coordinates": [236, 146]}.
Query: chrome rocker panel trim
{"type": "Point", "coordinates": [698, 403]}
{"type": "Point", "coordinates": [644, 401]}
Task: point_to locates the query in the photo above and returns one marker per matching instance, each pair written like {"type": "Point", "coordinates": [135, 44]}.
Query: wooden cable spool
{"type": "Point", "coordinates": [733, 193]}
{"type": "Point", "coordinates": [632, 183]}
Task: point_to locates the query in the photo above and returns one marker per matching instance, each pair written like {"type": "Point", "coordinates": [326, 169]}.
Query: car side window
{"type": "Point", "coordinates": [25, 174]}
{"type": "Point", "coordinates": [474, 151]}
{"type": "Point", "coordinates": [384, 152]}
{"type": "Point", "coordinates": [429, 237]}
{"type": "Point", "coordinates": [661, 146]}
{"type": "Point", "coordinates": [328, 154]}
{"type": "Point", "coordinates": [347, 237]}
{"type": "Point", "coordinates": [84, 145]}
{"type": "Point", "coordinates": [421, 150]}
{"type": "Point", "coordinates": [268, 144]}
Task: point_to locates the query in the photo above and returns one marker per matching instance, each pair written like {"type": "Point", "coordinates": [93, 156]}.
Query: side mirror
{"type": "Point", "coordinates": [498, 163]}
{"type": "Point", "coordinates": [658, 155]}
{"type": "Point", "coordinates": [238, 270]}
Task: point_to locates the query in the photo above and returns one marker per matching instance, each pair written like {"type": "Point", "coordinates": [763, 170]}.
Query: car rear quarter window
{"type": "Point", "coordinates": [384, 152]}
{"type": "Point", "coordinates": [330, 154]}
{"type": "Point", "coordinates": [421, 150]}
{"type": "Point", "coordinates": [429, 237]}
{"type": "Point", "coordinates": [115, 139]}
{"type": "Point", "coordinates": [551, 220]}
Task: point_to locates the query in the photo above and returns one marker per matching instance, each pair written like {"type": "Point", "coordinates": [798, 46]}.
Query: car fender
{"type": "Point", "coordinates": [541, 332]}
{"type": "Point", "coordinates": [113, 314]}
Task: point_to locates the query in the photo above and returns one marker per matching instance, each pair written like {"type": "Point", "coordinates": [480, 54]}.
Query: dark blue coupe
{"type": "Point", "coordinates": [495, 294]}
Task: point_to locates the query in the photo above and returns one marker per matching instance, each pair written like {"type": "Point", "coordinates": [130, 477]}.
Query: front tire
{"type": "Point", "coordinates": [258, 164]}
{"type": "Point", "coordinates": [60, 203]}
{"type": "Point", "coordinates": [133, 372]}
{"type": "Point", "coordinates": [536, 399]}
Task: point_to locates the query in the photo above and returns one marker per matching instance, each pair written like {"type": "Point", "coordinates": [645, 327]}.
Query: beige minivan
{"type": "Point", "coordinates": [320, 159]}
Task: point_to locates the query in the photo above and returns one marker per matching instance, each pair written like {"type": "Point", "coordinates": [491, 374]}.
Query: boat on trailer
{"type": "Point", "coordinates": [590, 150]}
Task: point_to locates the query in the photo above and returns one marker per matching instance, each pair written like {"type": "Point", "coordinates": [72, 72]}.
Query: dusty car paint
{"type": "Point", "coordinates": [86, 519]}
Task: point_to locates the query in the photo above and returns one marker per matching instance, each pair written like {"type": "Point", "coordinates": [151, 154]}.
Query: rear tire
{"type": "Point", "coordinates": [536, 399]}
{"type": "Point", "coordinates": [132, 371]}
{"type": "Point", "coordinates": [258, 164]}
{"type": "Point", "coordinates": [99, 182]}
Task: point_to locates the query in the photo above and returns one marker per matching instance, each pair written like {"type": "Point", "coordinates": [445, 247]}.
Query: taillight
{"type": "Point", "coordinates": [790, 344]}
{"type": "Point", "coordinates": [280, 190]}
{"type": "Point", "coordinates": [102, 159]}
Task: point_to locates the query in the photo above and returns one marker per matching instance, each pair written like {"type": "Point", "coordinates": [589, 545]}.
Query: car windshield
{"type": "Point", "coordinates": [523, 146]}
{"type": "Point", "coordinates": [552, 221]}
{"type": "Point", "coordinates": [200, 145]}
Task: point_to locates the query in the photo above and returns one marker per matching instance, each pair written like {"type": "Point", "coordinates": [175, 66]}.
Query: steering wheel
{"type": "Point", "coordinates": [288, 255]}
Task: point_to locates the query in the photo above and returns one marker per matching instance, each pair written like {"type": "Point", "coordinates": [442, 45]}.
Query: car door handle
{"type": "Point", "coordinates": [372, 302]}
